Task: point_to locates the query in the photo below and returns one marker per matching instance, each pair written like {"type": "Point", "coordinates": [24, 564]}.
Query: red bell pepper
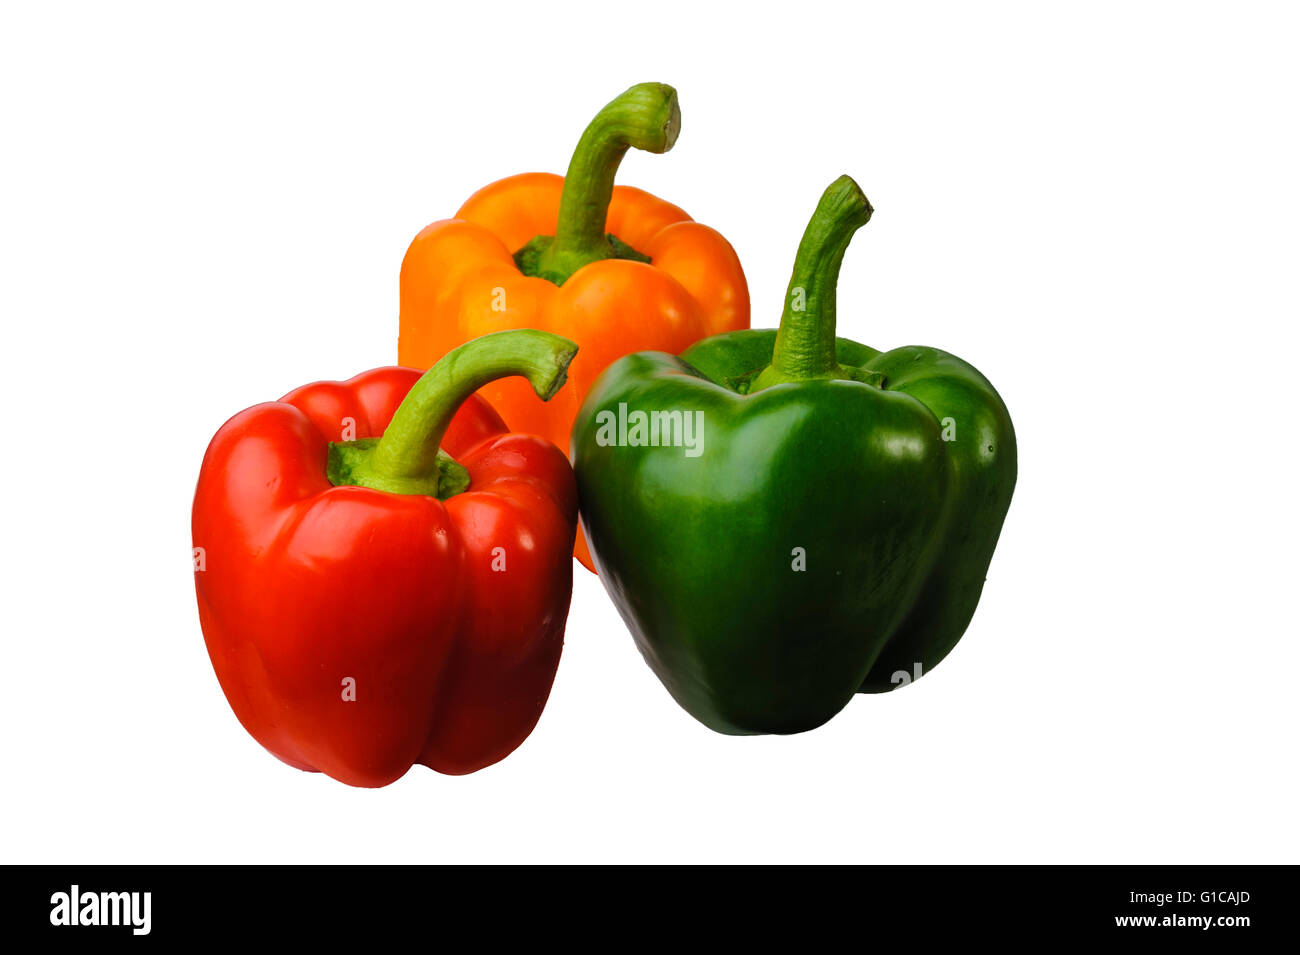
{"type": "Point", "coordinates": [373, 602]}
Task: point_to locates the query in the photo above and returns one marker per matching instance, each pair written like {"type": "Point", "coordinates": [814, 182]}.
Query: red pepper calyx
{"type": "Point", "coordinates": [408, 459]}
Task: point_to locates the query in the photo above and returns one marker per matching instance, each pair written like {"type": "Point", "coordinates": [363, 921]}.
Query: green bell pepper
{"type": "Point", "coordinates": [785, 518]}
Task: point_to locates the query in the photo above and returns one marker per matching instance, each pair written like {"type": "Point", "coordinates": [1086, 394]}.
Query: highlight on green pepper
{"type": "Point", "coordinates": [785, 518]}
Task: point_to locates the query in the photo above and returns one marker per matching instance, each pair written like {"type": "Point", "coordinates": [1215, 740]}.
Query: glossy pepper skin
{"type": "Point", "coordinates": [437, 604]}
{"type": "Point", "coordinates": [611, 267]}
{"type": "Point", "coordinates": [830, 532]}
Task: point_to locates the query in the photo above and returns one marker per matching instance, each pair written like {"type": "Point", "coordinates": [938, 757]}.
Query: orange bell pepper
{"type": "Point", "coordinates": [611, 267]}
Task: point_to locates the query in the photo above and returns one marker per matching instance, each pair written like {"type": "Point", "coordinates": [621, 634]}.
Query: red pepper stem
{"type": "Point", "coordinates": [805, 342]}
{"type": "Point", "coordinates": [407, 459]}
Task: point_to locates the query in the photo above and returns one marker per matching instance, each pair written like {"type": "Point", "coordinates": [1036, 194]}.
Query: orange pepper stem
{"type": "Point", "coordinates": [408, 459]}
{"type": "Point", "coordinates": [645, 117]}
{"type": "Point", "coordinates": [805, 342]}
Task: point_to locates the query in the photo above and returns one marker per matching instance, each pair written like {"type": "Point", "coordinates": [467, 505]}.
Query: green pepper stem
{"type": "Point", "coordinates": [407, 459]}
{"type": "Point", "coordinates": [805, 342]}
{"type": "Point", "coordinates": [645, 117]}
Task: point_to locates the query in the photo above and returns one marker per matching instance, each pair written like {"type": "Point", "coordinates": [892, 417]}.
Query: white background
{"type": "Point", "coordinates": [1095, 204]}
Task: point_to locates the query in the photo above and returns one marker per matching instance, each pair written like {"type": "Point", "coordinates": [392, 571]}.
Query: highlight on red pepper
{"type": "Point", "coordinates": [383, 570]}
{"type": "Point", "coordinates": [785, 518]}
{"type": "Point", "coordinates": [611, 267]}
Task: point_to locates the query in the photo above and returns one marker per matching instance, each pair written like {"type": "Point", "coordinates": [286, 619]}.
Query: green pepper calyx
{"type": "Point", "coordinates": [805, 342]}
